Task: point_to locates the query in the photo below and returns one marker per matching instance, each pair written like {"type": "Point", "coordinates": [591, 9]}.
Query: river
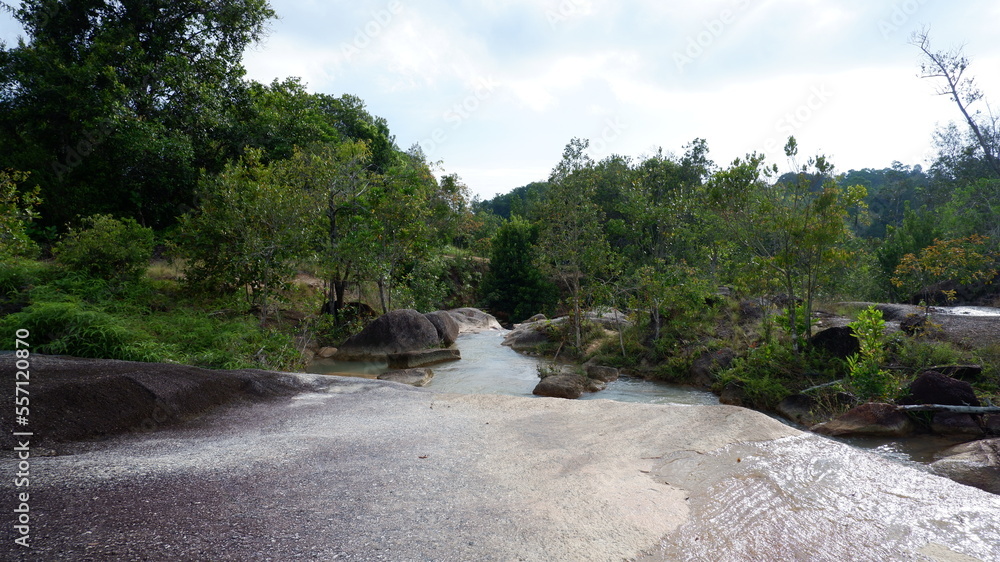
{"type": "Point", "coordinates": [490, 368]}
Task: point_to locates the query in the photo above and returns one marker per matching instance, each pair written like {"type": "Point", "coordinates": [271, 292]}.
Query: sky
{"type": "Point", "coordinates": [494, 90]}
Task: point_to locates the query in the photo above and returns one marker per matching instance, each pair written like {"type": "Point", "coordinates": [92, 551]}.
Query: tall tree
{"type": "Point", "coordinates": [572, 245]}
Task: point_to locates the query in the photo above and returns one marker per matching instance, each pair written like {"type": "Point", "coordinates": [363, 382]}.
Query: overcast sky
{"type": "Point", "coordinates": [495, 89]}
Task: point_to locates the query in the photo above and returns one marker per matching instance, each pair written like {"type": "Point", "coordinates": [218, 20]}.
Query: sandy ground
{"type": "Point", "coordinates": [368, 470]}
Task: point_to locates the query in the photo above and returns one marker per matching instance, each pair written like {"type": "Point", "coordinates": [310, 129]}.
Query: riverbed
{"type": "Point", "coordinates": [490, 368]}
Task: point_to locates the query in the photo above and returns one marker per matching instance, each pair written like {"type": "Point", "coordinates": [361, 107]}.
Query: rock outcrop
{"type": "Point", "coordinates": [473, 320]}
{"type": "Point", "coordinates": [422, 358]}
{"type": "Point", "coordinates": [838, 342]}
{"type": "Point", "coordinates": [398, 331]}
{"type": "Point", "coordinates": [974, 464]}
{"type": "Point", "coordinates": [873, 419]}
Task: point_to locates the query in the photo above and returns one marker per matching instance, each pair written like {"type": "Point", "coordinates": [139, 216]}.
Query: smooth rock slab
{"type": "Point", "coordinates": [873, 419]}
{"type": "Point", "coordinates": [974, 464]}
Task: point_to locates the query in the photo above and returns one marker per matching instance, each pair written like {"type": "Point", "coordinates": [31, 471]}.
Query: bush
{"type": "Point", "coordinates": [66, 328]}
{"type": "Point", "coordinates": [107, 248]}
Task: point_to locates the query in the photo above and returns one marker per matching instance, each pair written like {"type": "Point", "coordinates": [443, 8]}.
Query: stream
{"type": "Point", "coordinates": [489, 368]}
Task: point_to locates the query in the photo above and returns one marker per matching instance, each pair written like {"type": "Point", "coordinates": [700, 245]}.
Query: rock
{"type": "Point", "coordinates": [326, 352]}
{"type": "Point", "coordinates": [527, 336]}
{"type": "Point", "coordinates": [396, 332]}
{"type": "Point", "coordinates": [609, 319]}
{"type": "Point", "coordinates": [474, 321]}
{"type": "Point", "coordinates": [412, 377]}
{"type": "Point", "coordinates": [839, 342]}
{"type": "Point", "coordinates": [949, 423]}
{"type": "Point", "coordinates": [422, 358]}
{"type": "Point", "coordinates": [734, 394]}
{"type": "Point", "coordinates": [603, 374]}
{"type": "Point", "coordinates": [974, 464]}
{"type": "Point", "coordinates": [798, 408]}
{"type": "Point", "coordinates": [932, 387]}
{"type": "Point", "coordinates": [751, 310]}
{"type": "Point", "coordinates": [913, 324]}
{"type": "Point", "coordinates": [594, 385]}
{"type": "Point", "coordinates": [536, 318]}
{"type": "Point", "coordinates": [705, 367]}
{"type": "Point", "coordinates": [446, 325]}
{"type": "Point", "coordinates": [874, 419]}
{"type": "Point", "coordinates": [570, 386]}
{"type": "Point", "coordinates": [968, 373]}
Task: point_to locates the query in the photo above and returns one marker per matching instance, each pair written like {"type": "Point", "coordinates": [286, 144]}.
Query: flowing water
{"type": "Point", "coordinates": [490, 368]}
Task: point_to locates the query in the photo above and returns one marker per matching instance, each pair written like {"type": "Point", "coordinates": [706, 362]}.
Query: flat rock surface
{"type": "Point", "coordinates": [369, 470]}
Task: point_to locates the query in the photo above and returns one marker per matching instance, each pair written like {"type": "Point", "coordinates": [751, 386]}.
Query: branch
{"type": "Point", "coordinates": [953, 409]}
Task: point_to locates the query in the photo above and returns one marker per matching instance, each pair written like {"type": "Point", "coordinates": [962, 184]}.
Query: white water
{"type": "Point", "coordinates": [977, 311]}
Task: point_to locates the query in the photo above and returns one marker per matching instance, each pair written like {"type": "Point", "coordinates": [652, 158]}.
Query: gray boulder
{"type": "Point", "coordinates": [708, 364]}
{"type": "Point", "coordinates": [446, 326]}
{"type": "Point", "coordinates": [422, 358]}
{"type": "Point", "coordinates": [973, 464]}
{"type": "Point", "coordinates": [398, 331]}
{"type": "Point", "coordinates": [932, 387]}
{"type": "Point", "coordinates": [564, 385]}
{"type": "Point", "coordinates": [527, 336]}
{"type": "Point", "coordinates": [474, 321]}
{"type": "Point", "coordinates": [603, 374]}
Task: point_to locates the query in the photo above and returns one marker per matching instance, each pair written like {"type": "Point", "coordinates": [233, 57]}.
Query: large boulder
{"type": "Point", "coordinates": [973, 464]}
{"type": "Point", "coordinates": [446, 326]}
{"type": "Point", "coordinates": [873, 419]}
{"type": "Point", "coordinates": [799, 408]}
{"type": "Point", "coordinates": [398, 331]}
{"type": "Point", "coordinates": [528, 336]}
{"type": "Point", "coordinates": [838, 342]}
{"type": "Point", "coordinates": [474, 321]}
{"type": "Point", "coordinates": [601, 373]}
{"type": "Point", "coordinates": [950, 423]}
{"type": "Point", "coordinates": [932, 387]}
{"type": "Point", "coordinates": [563, 385]}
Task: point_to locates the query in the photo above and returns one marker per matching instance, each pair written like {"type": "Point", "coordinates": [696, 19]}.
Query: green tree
{"type": "Point", "coordinates": [571, 243]}
{"type": "Point", "coordinates": [514, 286]}
{"type": "Point", "coordinates": [963, 260]}
{"type": "Point", "coordinates": [114, 105]}
{"type": "Point", "coordinates": [107, 248]}
{"type": "Point", "coordinates": [248, 232]}
{"type": "Point", "coordinates": [16, 213]}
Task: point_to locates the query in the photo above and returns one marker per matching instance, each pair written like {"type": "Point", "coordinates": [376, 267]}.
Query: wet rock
{"type": "Point", "coordinates": [396, 332]}
{"type": "Point", "coordinates": [838, 342]}
{"type": "Point", "coordinates": [874, 419]}
{"type": "Point", "coordinates": [705, 367]}
{"type": "Point", "coordinates": [932, 387]}
{"type": "Point", "coordinates": [563, 385]}
{"type": "Point", "coordinates": [422, 358]}
{"type": "Point", "coordinates": [734, 394]}
{"type": "Point", "coordinates": [798, 408]}
{"type": "Point", "coordinates": [474, 321]}
{"type": "Point", "coordinates": [412, 377]}
{"type": "Point", "coordinates": [603, 374]}
{"type": "Point", "coordinates": [948, 423]}
{"type": "Point", "coordinates": [527, 336]}
{"type": "Point", "coordinates": [595, 385]}
{"type": "Point", "coordinates": [326, 352]}
{"type": "Point", "coordinates": [446, 326]}
{"type": "Point", "coordinates": [974, 464]}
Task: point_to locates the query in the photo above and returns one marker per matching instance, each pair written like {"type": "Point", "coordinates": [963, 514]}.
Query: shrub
{"type": "Point", "coordinates": [107, 248]}
{"type": "Point", "coordinates": [867, 377]}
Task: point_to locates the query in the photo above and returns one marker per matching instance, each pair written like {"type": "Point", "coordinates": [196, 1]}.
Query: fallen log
{"type": "Point", "coordinates": [947, 408]}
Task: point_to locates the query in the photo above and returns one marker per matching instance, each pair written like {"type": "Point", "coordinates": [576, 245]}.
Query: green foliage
{"type": "Point", "coordinates": [963, 260]}
{"type": "Point", "coordinates": [867, 377]}
{"type": "Point", "coordinates": [764, 374]}
{"type": "Point", "coordinates": [107, 248]}
{"type": "Point", "coordinates": [514, 285]}
{"type": "Point", "coordinates": [16, 213]}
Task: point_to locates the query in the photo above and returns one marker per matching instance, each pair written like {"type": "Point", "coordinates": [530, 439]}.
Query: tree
{"type": "Point", "coordinates": [115, 105]}
{"type": "Point", "coordinates": [250, 229]}
{"type": "Point", "coordinates": [571, 243]}
{"type": "Point", "coordinates": [950, 67]}
{"type": "Point", "coordinates": [514, 286]}
{"type": "Point", "coordinates": [963, 260]}
{"type": "Point", "coordinates": [16, 213]}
